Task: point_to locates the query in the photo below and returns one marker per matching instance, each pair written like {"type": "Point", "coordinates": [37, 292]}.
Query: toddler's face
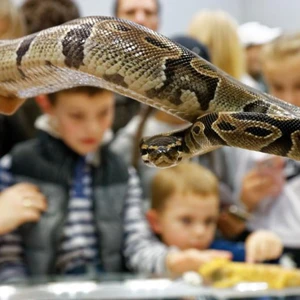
{"type": "Point", "coordinates": [283, 79]}
{"type": "Point", "coordinates": [82, 120]}
{"type": "Point", "coordinates": [187, 221]}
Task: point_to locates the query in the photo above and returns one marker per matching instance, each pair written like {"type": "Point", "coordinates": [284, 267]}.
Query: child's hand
{"type": "Point", "coordinates": [192, 259]}
{"type": "Point", "coordinates": [263, 245]}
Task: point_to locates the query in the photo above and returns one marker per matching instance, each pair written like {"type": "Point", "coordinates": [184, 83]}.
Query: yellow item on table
{"type": "Point", "coordinates": [222, 273]}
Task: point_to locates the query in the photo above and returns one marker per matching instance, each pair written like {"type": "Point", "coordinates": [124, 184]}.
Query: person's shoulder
{"type": "Point", "coordinates": [26, 147]}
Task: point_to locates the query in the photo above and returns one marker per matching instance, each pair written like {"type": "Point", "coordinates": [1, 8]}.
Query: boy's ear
{"type": "Point", "coordinates": [154, 220]}
{"type": "Point", "coordinates": [44, 103]}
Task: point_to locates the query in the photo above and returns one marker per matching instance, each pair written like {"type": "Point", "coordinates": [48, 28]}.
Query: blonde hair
{"type": "Point", "coordinates": [287, 45]}
{"type": "Point", "coordinates": [184, 178]}
{"type": "Point", "coordinates": [218, 31]}
{"type": "Point", "coordinates": [10, 13]}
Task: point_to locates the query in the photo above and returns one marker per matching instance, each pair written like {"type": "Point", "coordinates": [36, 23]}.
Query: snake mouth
{"type": "Point", "coordinates": [161, 151]}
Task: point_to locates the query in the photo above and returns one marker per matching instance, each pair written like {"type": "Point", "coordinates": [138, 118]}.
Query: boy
{"type": "Point", "coordinates": [184, 214]}
{"type": "Point", "coordinates": [87, 188]}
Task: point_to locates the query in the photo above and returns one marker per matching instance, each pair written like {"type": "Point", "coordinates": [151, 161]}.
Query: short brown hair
{"type": "Point", "coordinates": [89, 90]}
{"type": "Point", "coordinates": [184, 178]}
{"type": "Point", "coordinates": [42, 14]}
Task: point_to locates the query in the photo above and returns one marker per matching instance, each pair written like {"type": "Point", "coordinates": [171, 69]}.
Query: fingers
{"type": "Point", "coordinates": [257, 186]}
{"type": "Point", "coordinates": [29, 195]}
{"type": "Point", "coordinates": [19, 204]}
{"type": "Point", "coordinates": [35, 201]}
{"type": "Point", "coordinates": [255, 252]}
{"type": "Point", "coordinates": [31, 201]}
{"type": "Point", "coordinates": [32, 209]}
{"type": "Point", "coordinates": [263, 245]}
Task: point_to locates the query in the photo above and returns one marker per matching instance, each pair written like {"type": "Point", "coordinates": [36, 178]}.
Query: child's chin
{"type": "Point", "coordinates": [85, 150]}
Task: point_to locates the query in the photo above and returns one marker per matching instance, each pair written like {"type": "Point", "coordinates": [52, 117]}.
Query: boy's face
{"type": "Point", "coordinates": [187, 221]}
{"type": "Point", "coordinates": [283, 79]}
{"type": "Point", "coordinates": [82, 120]}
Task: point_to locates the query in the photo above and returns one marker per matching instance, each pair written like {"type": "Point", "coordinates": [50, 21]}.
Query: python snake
{"type": "Point", "coordinates": [139, 63]}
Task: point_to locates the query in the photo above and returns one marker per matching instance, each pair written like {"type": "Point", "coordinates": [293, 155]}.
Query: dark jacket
{"type": "Point", "coordinates": [48, 163]}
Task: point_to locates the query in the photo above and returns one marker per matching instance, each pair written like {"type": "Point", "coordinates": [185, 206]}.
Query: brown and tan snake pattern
{"type": "Point", "coordinates": [139, 63]}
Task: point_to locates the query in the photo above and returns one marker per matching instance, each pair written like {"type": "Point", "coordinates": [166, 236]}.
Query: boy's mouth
{"type": "Point", "coordinates": [89, 141]}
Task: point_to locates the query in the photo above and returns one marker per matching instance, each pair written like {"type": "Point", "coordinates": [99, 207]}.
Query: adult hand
{"type": "Point", "coordinates": [263, 245]}
{"type": "Point", "coordinates": [19, 204]}
{"type": "Point", "coordinates": [229, 225]}
{"type": "Point", "coordinates": [264, 180]}
{"type": "Point", "coordinates": [8, 105]}
{"type": "Point", "coordinates": [179, 262]}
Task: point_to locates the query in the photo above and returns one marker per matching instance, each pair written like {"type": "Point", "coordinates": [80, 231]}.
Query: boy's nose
{"type": "Point", "coordinates": [93, 126]}
{"type": "Point", "coordinates": [199, 229]}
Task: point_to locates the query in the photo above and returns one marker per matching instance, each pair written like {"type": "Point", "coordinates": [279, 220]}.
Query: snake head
{"type": "Point", "coordinates": [161, 151]}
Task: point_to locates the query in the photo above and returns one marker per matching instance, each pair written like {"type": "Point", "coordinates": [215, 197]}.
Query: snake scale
{"type": "Point", "coordinates": [142, 64]}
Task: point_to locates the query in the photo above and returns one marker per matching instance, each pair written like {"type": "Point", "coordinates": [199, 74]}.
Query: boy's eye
{"type": "Point", "coordinates": [186, 220]}
{"type": "Point", "coordinates": [76, 116]}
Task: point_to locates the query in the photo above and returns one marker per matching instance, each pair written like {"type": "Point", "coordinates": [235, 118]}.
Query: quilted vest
{"type": "Point", "coordinates": [49, 164]}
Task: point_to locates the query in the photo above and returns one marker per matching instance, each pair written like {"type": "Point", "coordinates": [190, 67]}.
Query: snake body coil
{"type": "Point", "coordinates": [139, 63]}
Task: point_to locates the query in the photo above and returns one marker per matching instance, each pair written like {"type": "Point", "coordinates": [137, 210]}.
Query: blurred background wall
{"type": "Point", "coordinates": [177, 13]}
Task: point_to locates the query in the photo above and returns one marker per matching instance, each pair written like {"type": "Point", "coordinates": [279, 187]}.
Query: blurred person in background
{"type": "Point", "coordinates": [254, 36]}
{"type": "Point", "coordinates": [145, 13]}
{"type": "Point", "coordinates": [13, 210]}
{"type": "Point", "coordinates": [12, 129]}
{"type": "Point", "coordinates": [217, 30]}
{"type": "Point", "coordinates": [40, 15]}
{"type": "Point", "coordinates": [33, 16]}
{"type": "Point", "coordinates": [267, 186]}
